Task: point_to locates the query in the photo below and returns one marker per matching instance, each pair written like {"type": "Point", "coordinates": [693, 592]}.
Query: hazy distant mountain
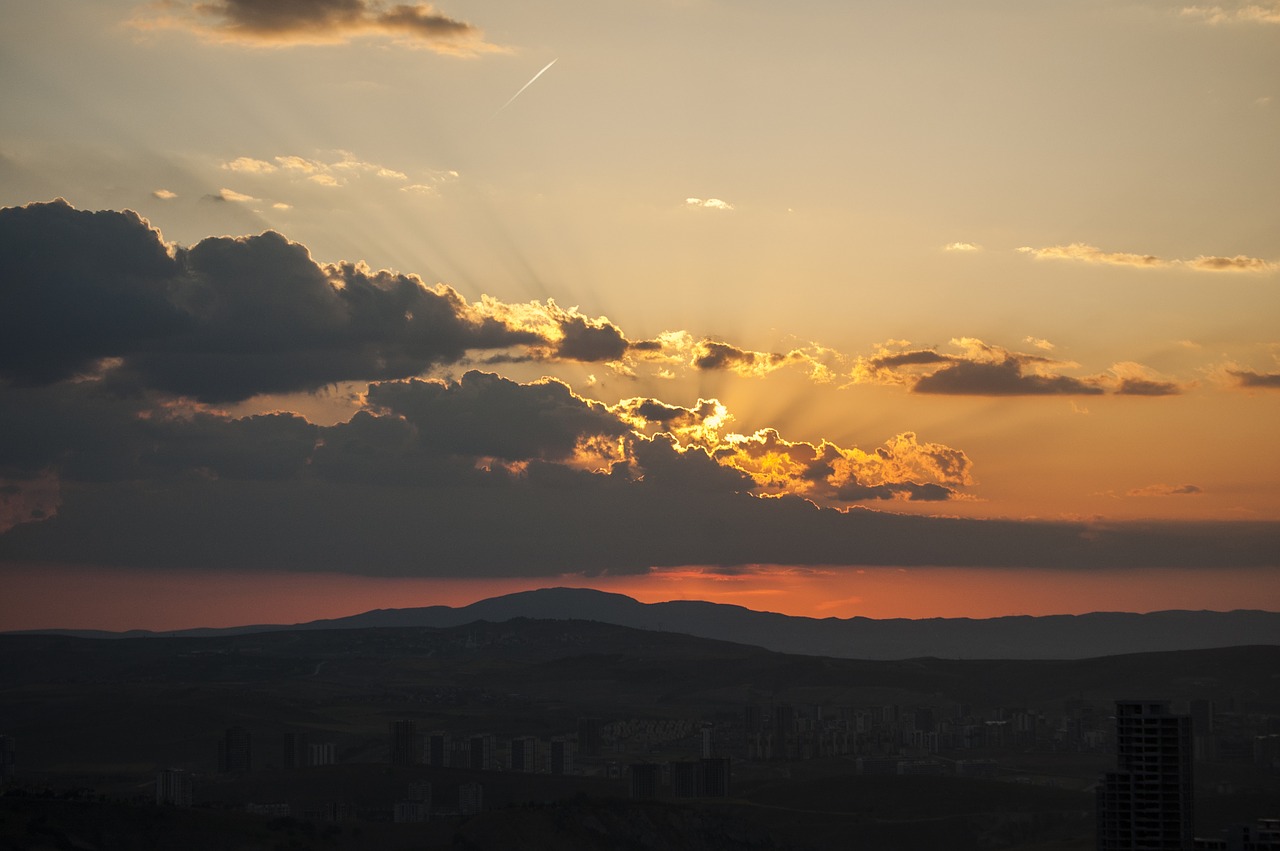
{"type": "Point", "coordinates": [1020, 637]}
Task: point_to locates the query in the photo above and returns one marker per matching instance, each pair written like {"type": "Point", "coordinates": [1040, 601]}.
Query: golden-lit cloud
{"type": "Point", "coordinates": [338, 169]}
{"type": "Point", "coordinates": [248, 165]}
{"type": "Point", "coordinates": [1255, 380]}
{"type": "Point", "coordinates": [1247, 13]}
{"type": "Point", "coordinates": [225, 194]}
{"type": "Point", "coordinates": [1164, 490]}
{"type": "Point", "coordinates": [1092, 254]}
{"type": "Point", "coordinates": [962, 246]}
{"type": "Point", "coordinates": [1134, 379]}
{"type": "Point", "coordinates": [282, 23]}
{"type": "Point", "coordinates": [1079, 251]}
{"type": "Point", "coordinates": [711, 355]}
{"type": "Point", "coordinates": [980, 369]}
{"type": "Point", "coordinates": [1239, 263]}
{"type": "Point", "coordinates": [708, 204]}
{"type": "Point", "coordinates": [164, 194]}
{"type": "Point", "coordinates": [902, 468]}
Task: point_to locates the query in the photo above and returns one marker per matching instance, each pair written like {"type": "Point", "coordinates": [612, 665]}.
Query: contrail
{"type": "Point", "coordinates": [527, 85]}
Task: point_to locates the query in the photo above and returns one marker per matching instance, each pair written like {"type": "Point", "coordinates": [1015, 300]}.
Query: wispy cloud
{"type": "Point", "coordinates": [1079, 251]}
{"type": "Point", "coordinates": [1165, 490]}
{"type": "Point", "coordinates": [1251, 13]}
{"type": "Point", "coordinates": [272, 23]}
{"type": "Point", "coordinates": [225, 194]}
{"type": "Point", "coordinates": [962, 246]}
{"type": "Point", "coordinates": [164, 194]}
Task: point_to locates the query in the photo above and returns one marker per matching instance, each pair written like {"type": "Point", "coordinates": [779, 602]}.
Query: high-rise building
{"type": "Point", "coordinates": [589, 737]}
{"type": "Point", "coordinates": [1146, 803]}
{"type": "Point", "coordinates": [439, 748]}
{"type": "Point", "coordinates": [322, 753]}
{"type": "Point", "coordinates": [481, 753]}
{"type": "Point", "coordinates": [715, 777]}
{"type": "Point", "coordinates": [470, 799]}
{"type": "Point", "coordinates": [524, 754]}
{"type": "Point", "coordinates": [404, 742]}
{"type": "Point", "coordinates": [294, 752]}
{"type": "Point", "coordinates": [561, 755]}
{"type": "Point", "coordinates": [173, 787]}
{"type": "Point", "coordinates": [644, 780]}
{"type": "Point", "coordinates": [8, 758]}
{"type": "Point", "coordinates": [235, 752]}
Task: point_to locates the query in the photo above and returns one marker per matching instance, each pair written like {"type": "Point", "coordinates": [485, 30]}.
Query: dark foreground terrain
{"type": "Point", "coordinates": [923, 753]}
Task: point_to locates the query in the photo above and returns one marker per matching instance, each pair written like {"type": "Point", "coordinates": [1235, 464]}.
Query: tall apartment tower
{"type": "Point", "coordinates": [1146, 803]}
{"type": "Point", "coordinates": [405, 749]}
{"type": "Point", "coordinates": [8, 758]}
{"type": "Point", "coordinates": [235, 751]}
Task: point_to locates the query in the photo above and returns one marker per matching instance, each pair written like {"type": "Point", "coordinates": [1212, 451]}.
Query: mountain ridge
{"type": "Point", "coordinates": [1008, 637]}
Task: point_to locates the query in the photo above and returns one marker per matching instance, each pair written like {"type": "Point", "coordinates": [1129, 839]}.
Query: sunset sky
{"type": "Point", "coordinates": [886, 309]}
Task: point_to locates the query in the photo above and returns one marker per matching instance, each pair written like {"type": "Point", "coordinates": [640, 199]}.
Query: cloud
{"type": "Point", "coordinates": [280, 23]}
{"type": "Point", "coordinates": [1090, 254]}
{"type": "Point", "coordinates": [1134, 379]}
{"type": "Point", "coordinates": [1165, 490]}
{"type": "Point", "coordinates": [1251, 13]}
{"type": "Point", "coordinates": [164, 194]}
{"type": "Point", "coordinates": [1250, 378]}
{"type": "Point", "coordinates": [708, 204]}
{"type": "Point", "coordinates": [1239, 263]}
{"type": "Point", "coordinates": [229, 318]}
{"type": "Point", "coordinates": [231, 195]}
{"type": "Point", "coordinates": [337, 169]}
{"type": "Point", "coordinates": [962, 246]}
{"type": "Point", "coordinates": [115, 348]}
{"type": "Point", "coordinates": [248, 165]}
{"type": "Point", "coordinates": [982, 369]}
{"type": "Point", "coordinates": [711, 355]}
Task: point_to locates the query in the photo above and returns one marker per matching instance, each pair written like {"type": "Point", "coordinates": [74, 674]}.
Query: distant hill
{"type": "Point", "coordinates": [1020, 637]}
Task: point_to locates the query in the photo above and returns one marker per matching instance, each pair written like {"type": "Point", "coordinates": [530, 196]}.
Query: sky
{"type": "Point", "coordinates": [884, 309]}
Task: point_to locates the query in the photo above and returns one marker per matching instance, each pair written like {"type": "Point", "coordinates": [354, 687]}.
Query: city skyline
{"type": "Point", "coordinates": [950, 311]}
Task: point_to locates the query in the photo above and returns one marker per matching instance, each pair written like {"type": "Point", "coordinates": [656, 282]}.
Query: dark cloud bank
{"type": "Point", "coordinates": [105, 330]}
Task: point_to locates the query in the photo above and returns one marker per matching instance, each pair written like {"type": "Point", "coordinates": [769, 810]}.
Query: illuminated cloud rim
{"type": "Point", "coordinates": [1079, 251]}
{"type": "Point", "coordinates": [291, 22]}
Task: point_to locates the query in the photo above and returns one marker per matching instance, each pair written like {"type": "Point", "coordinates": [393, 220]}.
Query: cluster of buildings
{"type": "Point", "coordinates": [1148, 802]}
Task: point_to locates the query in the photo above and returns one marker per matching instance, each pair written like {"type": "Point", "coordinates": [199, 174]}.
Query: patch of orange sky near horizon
{"type": "Point", "coordinates": [86, 598]}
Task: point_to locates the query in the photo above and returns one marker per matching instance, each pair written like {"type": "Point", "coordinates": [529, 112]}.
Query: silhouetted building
{"type": "Point", "coordinates": [645, 778]}
{"type": "Point", "coordinates": [753, 719]}
{"type": "Point", "coordinates": [294, 752]}
{"type": "Point", "coordinates": [1146, 804]}
{"type": "Point", "coordinates": [683, 777]}
{"type": "Point", "coordinates": [235, 752]}
{"type": "Point", "coordinates": [404, 742]}
{"type": "Point", "coordinates": [561, 755]}
{"type": "Point", "coordinates": [438, 749]}
{"type": "Point", "coordinates": [322, 753]}
{"type": "Point", "coordinates": [714, 782]}
{"type": "Point", "coordinates": [524, 754]}
{"type": "Point", "coordinates": [416, 806]}
{"type": "Point", "coordinates": [470, 799]}
{"type": "Point", "coordinates": [481, 757]}
{"type": "Point", "coordinates": [589, 737]}
{"type": "Point", "coordinates": [8, 758]}
{"type": "Point", "coordinates": [783, 725]}
{"type": "Point", "coordinates": [173, 787]}
{"type": "Point", "coordinates": [708, 741]}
